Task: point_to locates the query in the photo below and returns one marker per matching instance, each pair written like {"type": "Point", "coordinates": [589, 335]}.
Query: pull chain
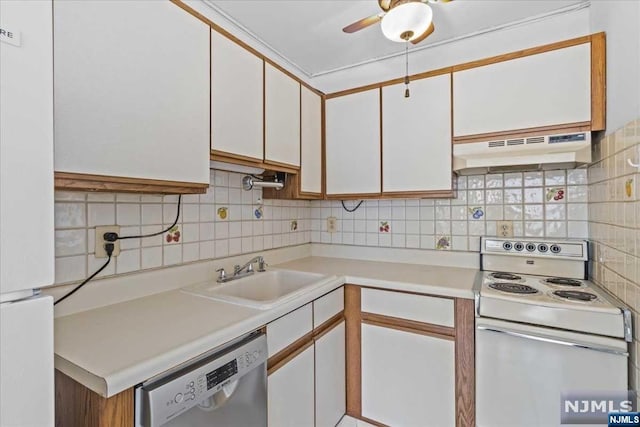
{"type": "Point", "coordinates": [406, 76]}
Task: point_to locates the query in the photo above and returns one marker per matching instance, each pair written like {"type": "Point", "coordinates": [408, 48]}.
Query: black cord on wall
{"type": "Point", "coordinates": [111, 238]}
{"type": "Point", "coordinates": [351, 210]}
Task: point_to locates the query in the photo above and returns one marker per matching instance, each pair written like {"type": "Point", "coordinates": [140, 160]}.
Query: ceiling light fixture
{"type": "Point", "coordinates": [404, 23]}
{"type": "Point", "coordinates": [407, 21]}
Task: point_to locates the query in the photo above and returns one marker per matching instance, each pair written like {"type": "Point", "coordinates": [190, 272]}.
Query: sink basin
{"type": "Point", "coordinates": [260, 290]}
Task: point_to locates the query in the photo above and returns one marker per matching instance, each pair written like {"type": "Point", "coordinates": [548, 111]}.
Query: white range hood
{"type": "Point", "coordinates": [562, 151]}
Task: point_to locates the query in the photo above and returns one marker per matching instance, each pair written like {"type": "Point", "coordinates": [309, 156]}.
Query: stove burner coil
{"type": "Point", "coordinates": [575, 295]}
{"type": "Point", "coordinates": [562, 281]}
{"type": "Point", "coordinates": [513, 288]}
{"type": "Point", "coordinates": [505, 276]}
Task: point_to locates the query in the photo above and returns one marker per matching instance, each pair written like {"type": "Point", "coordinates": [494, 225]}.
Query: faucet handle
{"type": "Point", "coordinates": [222, 274]}
{"type": "Point", "coordinates": [262, 264]}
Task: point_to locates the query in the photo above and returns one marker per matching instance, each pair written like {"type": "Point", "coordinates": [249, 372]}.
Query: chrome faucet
{"type": "Point", "coordinates": [242, 271]}
{"type": "Point", "coordinates": [238, 270]}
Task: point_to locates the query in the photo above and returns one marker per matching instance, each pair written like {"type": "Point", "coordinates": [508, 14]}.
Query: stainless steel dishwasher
{"type": "Point", "coordinates": [226, 388]}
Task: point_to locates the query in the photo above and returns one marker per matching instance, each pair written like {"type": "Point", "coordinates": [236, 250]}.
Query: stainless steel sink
{"type": "Point", "coordinates": [260, 290]}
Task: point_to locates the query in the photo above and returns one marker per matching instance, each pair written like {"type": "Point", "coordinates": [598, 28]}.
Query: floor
{"type": "Point", "coordinates": [348, 421]}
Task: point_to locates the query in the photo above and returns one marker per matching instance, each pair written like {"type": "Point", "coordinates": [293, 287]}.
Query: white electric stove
{"type": "Point", "coordinates": [542, 329]}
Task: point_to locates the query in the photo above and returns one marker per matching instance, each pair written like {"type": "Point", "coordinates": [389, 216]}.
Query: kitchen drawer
{"type": "Point", "coordinates": [287, 329]}
{"type": "Point", "coordinates": [326, 307]}
{"type": "Point", "coordinates": [420, 308]}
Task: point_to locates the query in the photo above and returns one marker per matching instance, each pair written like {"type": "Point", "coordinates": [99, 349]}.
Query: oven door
{"type": "Point", "coordinates": [522, 370]}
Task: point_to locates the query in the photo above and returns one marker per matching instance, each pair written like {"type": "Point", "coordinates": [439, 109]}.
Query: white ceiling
{"type": "Point", "coordinates": [308, 33]}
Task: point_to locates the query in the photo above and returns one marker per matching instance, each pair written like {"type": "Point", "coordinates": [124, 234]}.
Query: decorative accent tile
{"type": "Point", "coordinates": [258, 213]}
{"type": "Point", "coordinates": [476, 212]}
{"type": "Point", "coordinates": [556, 194]}
{"type": "Point", "coordinates": [222, 212]}
{"type": "Point", "coordinates": [385, 227]}
{"type": "Point", "coordinates": [443, 243]}
{"type": "Point", "coordinates": [293, 225]}
{"type": "Point", "coordinates": [173, 235]}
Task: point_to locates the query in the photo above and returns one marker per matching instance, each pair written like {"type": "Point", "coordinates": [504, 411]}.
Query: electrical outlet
{"type": "Point", "coordinates": [332, 224]}
{"type": "Point", "coordinates": [100, 253]}
{"type": "Point", "coordinates": [505, 228]}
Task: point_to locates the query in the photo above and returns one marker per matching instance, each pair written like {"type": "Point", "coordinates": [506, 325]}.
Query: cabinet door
{"type": "Point", "coordinates": [310, 142]}
{"type": "Point", "coordinates": [236, 99]}
{"type": "Point", "coordinates": [282, 117]}
{"type": "Point", "coordinates": [330, 377]}
{"type": "Point", "coordinates": [131, 90]}
{"type": "Point", "coordinates": [26, 150]}
{"type": "Point", "coordinates": [291, 392]}
{"type": "Point", "coordinates": [353, 144]}
{"type": "Point", "coordinates": [551, 88]}
{"type": "Point", "coordinates": [408, 379]}
{"type": "Point", "coordinates": [416, 136]}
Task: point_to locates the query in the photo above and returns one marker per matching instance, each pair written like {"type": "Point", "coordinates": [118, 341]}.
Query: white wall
{"type": "Point", "coordinates": [620, 19]}
{"type": "Point", "coordinates": [548, 30]}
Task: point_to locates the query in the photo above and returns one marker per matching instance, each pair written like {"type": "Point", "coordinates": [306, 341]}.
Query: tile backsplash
{"type": "Point", "coordinates": [223, 222]}
{"type": "Point", "coordinates": [614, 223]}
{"type": "Point", "coordinates": [540, 204]}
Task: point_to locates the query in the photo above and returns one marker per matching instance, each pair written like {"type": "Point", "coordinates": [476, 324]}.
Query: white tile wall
{"type": "Point", "coordinates": [614, 223]}
{"type": "Point", "coordinates": [527, 199]}
{"type": "Point", "coordinates": [203, 234]}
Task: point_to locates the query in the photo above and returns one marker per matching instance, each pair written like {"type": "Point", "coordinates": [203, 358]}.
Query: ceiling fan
{"type": "Point", "coordinates": [402, 20]}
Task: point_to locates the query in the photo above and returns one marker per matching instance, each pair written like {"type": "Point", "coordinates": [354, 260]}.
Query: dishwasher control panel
{"type": "Point", "coordinates": [166, 399]}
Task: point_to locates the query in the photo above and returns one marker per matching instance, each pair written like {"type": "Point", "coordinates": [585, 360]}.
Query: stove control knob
{"type": "Point", "coordinates": [519, 246]}
{"type": "Point", "coordinates": [531, 247]}
{"type": "Point", "coordinates": [543, 248]}
{"type": "Point", "coordinates": [507, 246]}
{"type": "Point", "coordinates": [555, 249]}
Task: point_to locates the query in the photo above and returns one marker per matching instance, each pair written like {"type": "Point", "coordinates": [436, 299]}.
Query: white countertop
{"type": "Point", "coordinates": [112, 348]}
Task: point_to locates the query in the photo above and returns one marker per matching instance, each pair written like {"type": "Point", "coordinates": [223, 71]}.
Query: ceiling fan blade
{"type": "Point", "coordinates": [363, 23]}
{"type": "Point", "coordinates": [424, 35]}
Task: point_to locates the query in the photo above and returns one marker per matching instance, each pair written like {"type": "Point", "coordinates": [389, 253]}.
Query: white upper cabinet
{"type": "Point", "coordinates": [131, 90]}
{"type": "Point", "coordinates": [236, 99]}
{"type": "Point", "coordinates": [416, 136]}
{"type": "Point", "coordinates": [282, 117]}
{"type": "Point", "coordinates": [353, 144]}
{"type": "Point", "coordinates": [550, 88]}
{"type": "Point", "coordinates": [311, 142]}
{"type": "Point", "coordinates": [26, 150]}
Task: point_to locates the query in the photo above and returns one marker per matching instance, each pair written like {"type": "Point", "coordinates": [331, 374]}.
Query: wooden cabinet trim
{"type": "Point", "coordinates": [541, 130]}
{"type": "Point", "coordinates": [274, 366]}
{"type": "Point", "coordinates": [328, 326]}
{"type": "Point", "coordinates": [284, 167]}
{"type": "Point", "coordinates": [99, 183]}
{"type": "Point", "coordinates": [436, 331]}
{"type": "Point", "coordinates": [598, 82]}
{"type": "Point", "coordinates": [479, 63]}
{"type": "Point", "coordinates": [352, 304]}
{"type": "Point", "coordinates": [418, 76]}
{"type": "Point", "coordinates": [406, 292]}
{"type": "Point", "coordinates": [522, 53]}
{"type": "Point", "coordinates": [281, 358]}
{"type": "Point", "coordinates": [222, 156]}
{"type": "Point", "coordinates": [465, 385]}
{"type": "Point", "coordinates": [76, 405]}
{"type": "Point", "coordinates": [239, 42]}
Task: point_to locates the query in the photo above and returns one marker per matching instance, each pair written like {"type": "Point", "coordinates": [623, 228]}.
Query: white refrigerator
{"type": "Point", "coordinates": [26, 213]}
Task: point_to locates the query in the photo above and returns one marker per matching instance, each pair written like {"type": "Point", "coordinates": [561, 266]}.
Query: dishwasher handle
{"type": "Point", "coordinates": [553, 340]}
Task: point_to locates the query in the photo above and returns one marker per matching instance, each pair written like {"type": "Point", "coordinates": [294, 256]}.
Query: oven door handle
{"type": "Point", "coordinates": [553, 340]}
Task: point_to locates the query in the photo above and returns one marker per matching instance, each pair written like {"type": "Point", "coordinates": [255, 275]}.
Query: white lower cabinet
{"type": "Point", "coordinates": [291, 392]}
{"type": "Point", "coordinates": [330, 377]}
{"type": "Point", "coordinates": [408, 379]}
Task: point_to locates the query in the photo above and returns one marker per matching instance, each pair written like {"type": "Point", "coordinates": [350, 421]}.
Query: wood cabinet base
{"type": "Point", "coordinates": [76, 405]}
{"type": "Point", "coordinates": [102, 183]}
